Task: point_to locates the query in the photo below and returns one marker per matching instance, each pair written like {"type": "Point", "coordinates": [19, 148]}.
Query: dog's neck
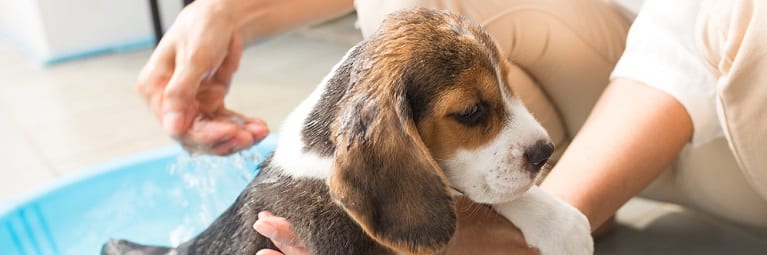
{"type": "Point", "coordinates": [304, 149]}
{"type": "Point", "coordinates": [291, 153]}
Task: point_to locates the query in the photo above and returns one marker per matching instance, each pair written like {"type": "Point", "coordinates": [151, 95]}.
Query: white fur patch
{"type": "Point", "coordinates": [290, 154]}
{"type": "Point", "coordinates": [549, 224]}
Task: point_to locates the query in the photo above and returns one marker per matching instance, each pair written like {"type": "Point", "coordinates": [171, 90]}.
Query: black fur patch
{"type": "Point", "coordinates": [316, 132]}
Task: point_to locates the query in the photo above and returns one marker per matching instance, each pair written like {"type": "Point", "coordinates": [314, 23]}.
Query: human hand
{"type": "Point", "coordinates": [188, 75]}
{"type": "Point", "coordinates": [480, 231]}
{"type": "Point", "coordinates": [483, 231]}
{"type": "Point", "coordinates": [278, 230]}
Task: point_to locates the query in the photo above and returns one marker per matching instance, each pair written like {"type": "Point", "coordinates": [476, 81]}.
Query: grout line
{"type": "Point", "coordinates": [37, 149]}
{"type": "Point", "coordinates": [26, 138]}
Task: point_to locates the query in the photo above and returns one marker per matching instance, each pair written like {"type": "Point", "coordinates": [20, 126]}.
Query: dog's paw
{"type": "Point", "coordinates": [568, 232]}
{"type": "Point", "coordinates": [549, 224]}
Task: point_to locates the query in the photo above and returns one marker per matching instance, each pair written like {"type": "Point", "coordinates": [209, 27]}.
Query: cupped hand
{"type": "Point", "coordinates": [188, 76]}
{"type": "Point", "coordinates": [480, 231]}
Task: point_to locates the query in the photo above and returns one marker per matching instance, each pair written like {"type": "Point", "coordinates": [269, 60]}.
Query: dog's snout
{"type": "Point", "coordinates": [539, 154]}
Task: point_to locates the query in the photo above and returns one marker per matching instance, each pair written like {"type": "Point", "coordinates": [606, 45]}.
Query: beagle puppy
{"type": "Point", "coordinates": [370, 161]}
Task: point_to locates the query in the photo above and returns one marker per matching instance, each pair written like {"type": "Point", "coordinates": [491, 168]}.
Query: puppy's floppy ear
{"type": "Point", "coordinates": [384, 176]}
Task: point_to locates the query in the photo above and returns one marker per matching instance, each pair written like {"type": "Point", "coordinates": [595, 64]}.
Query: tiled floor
{"type": "Point", "coordinates": [60, 119]}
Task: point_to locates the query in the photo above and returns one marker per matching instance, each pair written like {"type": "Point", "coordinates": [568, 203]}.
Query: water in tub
{"type": "Point", "coordinates": [170, 209]}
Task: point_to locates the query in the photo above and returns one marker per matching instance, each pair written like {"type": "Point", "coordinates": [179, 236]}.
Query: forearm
{"type": "Point", "coordinates": [256, 19]}
{"type": "Point", "coordinates": [633, 133]}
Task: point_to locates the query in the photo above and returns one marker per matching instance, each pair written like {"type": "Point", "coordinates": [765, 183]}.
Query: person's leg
{"type": "Point", "coordinates": [732, 36]}
{"type": "Point", "coordinates": [728, 177]}
{"type": "Point", "coordinates": [709, 177]}
{"type": "Point", "coordinates": [706, 178]}
{"type": "Point", "coordinates": [561, 51]}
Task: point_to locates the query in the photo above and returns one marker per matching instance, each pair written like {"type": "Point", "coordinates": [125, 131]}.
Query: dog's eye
{"type": "Point", "coordinates": [473, 116]}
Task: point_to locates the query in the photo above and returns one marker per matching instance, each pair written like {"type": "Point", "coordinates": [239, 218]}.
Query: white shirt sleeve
{"type": "Point", "coordinates": [661, 52]}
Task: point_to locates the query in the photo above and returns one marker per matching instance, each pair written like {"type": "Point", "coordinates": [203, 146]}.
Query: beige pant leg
{"type": "Point", "coordinates": [733, 35]}
{"type": "Point", "coordinates": [706, 178]}
{"type": "Point", "coordinates": [561, 51]}
{"type": "Point", "coordinates": [728, 177]}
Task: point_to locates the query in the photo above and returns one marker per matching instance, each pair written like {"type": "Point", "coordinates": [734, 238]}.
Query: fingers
{"type": "Point", "coordinates": [291, 250]}
{"type": "Point", "coordinates": [268, 252]}
{"type": "Point", "coordinates": [155, 76]}
{"type": "Point", "coordinates": [278, 230]}
{"type": "Point", "coordinates": [223, 134]}
{"type": "Point", "coordinates": [170, 88]}
{"type": "Point", "coordinates": [207, 133]}
{"type": "Point", "coordinates": [188, 76]}
{"type": "Point", "coordinates": [275, 228]}
{"type": "Point", "coordinates": [189, 54]}
{"type": "Point", "coordinates": [257, 128]}
{"type": "Point", "coordinates": [193, 111]}
{"type": "Point", "coordinates": [206, 126]}
{"type": "Point", "coordinates": [231, 62]}
{"type": "Point", "coordinates": [179, 98]}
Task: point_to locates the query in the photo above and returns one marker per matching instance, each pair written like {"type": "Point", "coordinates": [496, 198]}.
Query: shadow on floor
{"type": "Point", "coordinates": [683, 232]}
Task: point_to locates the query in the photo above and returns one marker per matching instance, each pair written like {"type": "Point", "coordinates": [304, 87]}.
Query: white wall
{"type": "Point", "coordinates": [169, 9]}
{"type": "Point", "coordinates": [20, 22]}
{"type": "Point", "coordinates": [55, 30]}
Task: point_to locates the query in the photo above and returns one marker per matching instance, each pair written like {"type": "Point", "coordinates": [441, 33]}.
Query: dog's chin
{"type": "Point", "coordinates": [495, 192]}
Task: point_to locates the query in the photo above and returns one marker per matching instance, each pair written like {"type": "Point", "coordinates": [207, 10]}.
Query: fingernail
{"type": "Point", "coordinates": [172, 122]}
{"type": "Point", "coordinates": [265, 229]}
{"type": "Point", "coordinates": [259, 132]}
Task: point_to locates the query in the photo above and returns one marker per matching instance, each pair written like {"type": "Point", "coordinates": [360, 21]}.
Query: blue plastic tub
{"type": "Point", "coordinates": [160, 197]}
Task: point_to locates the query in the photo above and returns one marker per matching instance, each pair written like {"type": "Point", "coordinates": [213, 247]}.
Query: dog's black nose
{"type": "Point", "coordinates": [539, 154]}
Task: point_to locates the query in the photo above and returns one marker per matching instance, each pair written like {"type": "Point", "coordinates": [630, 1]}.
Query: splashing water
{"type": "Point", "coordinates": [202, 177]}
{"type": "Point", "coordinates": [160, 203]}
